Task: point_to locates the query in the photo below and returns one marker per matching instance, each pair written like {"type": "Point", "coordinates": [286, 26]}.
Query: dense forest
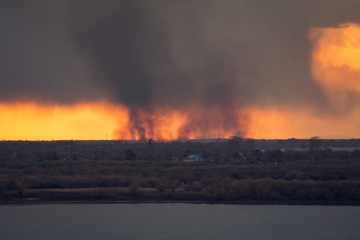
{"type": "Point", "coordinates": [232, 170]}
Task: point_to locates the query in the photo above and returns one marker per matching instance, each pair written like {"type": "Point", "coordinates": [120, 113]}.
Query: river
{"type": "Point", "coordinates": [172, 221]}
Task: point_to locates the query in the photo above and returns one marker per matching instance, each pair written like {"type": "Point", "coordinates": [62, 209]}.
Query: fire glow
{"type": "Point", "coordinates": [98, 121]}
{"type": "Point", "coordinates": [95, 121]}
{"type": "Point", "coordinates": [187, 123]}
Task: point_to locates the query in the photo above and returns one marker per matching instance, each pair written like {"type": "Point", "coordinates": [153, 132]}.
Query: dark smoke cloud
{"type": "Point", "coordinates": [172, 53]}
{"type": "Point", "coordinates": [38, 60]}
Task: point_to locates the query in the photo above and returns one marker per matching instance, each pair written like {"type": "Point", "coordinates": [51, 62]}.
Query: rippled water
{"type": "Point", "coordinates": [178, 221]}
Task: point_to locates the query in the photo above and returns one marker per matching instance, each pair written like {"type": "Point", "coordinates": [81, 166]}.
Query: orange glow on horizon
{"type": "Point", "coordinates": [284, 123]}
{"type": "Point", "coordinates": [98, 121]}
{"type": "Point", "coordinates": [33, 121]}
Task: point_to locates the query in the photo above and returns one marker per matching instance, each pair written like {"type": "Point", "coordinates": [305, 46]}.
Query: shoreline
{"type": "Point", "coordinates": [269, 203]}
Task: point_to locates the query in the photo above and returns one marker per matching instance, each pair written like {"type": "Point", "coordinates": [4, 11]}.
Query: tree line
{"type": "Point", "coordinates": [235, 170]}
{"type": "Point", "coordinates": [233, 150]}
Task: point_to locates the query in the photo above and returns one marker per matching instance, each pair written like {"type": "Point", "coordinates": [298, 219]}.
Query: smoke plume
{"type": "Point", "coordinates": [170, 54]}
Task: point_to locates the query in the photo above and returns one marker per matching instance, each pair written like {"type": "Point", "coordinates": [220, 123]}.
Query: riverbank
{"type": "Point", "coordinates": [290, 203]}
{"type": "Point", "coordinates": [123, 195]}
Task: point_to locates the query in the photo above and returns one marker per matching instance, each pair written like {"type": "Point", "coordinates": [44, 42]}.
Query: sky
{"type": "Point", "coordinates": [179, 69]}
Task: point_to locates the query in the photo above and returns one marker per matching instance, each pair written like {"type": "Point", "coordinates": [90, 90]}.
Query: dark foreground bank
{"type": "Point", "coordinates": [279, 180]}
{"type": "Point", "coordinates": [300, 183]}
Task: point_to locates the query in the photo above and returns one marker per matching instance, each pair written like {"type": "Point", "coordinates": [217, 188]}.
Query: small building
{"type": "Point", "coordinates": [193, 158]}
{"type": "Point", "coordinates": [175, 159]}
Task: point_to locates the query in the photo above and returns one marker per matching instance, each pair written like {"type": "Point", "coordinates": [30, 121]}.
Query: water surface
{"type": "Point", "coordinates": [178, 221]}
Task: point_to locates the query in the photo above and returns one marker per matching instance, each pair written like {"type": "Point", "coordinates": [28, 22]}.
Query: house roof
{"type": "Point", "coordinates": [193, 157]}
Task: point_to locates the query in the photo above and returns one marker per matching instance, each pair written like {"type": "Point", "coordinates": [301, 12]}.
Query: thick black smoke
{"type": "Point", "coordinates": [159, 53]}
{"type": "Point", "coordinates": [144, 53]}
{"type": "Point", "coordinates": [212, 52]}
{"type": "Point", "coordinates": [168, 53]}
